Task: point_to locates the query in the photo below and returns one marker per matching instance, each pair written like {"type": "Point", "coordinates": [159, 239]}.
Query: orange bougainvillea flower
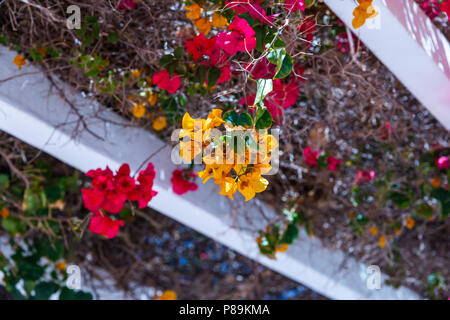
{"type": "Point", "coordinates": [410, 223]}
{"type": "Point", "coordinates": [382, 241]}
{"type": "Point", "coordinates": [362, 12]}
{"type": "Point", "coordinates": [61, 266]}
{"type": "Point", "coordinates": [4, 213]}
{"type": "Point", "coordinates": [136, 73]}
{"type": "Point", "coordinates": [152, 98]}
{"type": "Point", "coordinates": [19, 61]}
{"type": "Point", "coordinates": [203, 25]}
{"type": "Point", "coordinates": [194, 11]}
{"type": "Point", "coordinates": [168, 295]}
{"type": "Point", "coordinates": [282, 248]}
{"type": "Point", "coordinates": [219, 21]}
{"type": "Point", "coordinates": [373, 231]}
{"type": "Point", "coordinates": [436, 182]}
{"type": "Point", "coordinates": [138, 111]}
{"type": "Point", "coordinates": [159, 123]}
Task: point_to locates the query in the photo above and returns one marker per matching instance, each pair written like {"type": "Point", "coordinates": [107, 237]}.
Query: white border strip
{"type": "Point", "coordinates": [32, 113]}
{"type": "Point", "coordinates": [409, 44]}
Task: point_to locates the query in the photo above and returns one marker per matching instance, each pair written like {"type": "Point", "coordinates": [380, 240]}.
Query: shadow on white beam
{"type": "Point", "coordinates": [409, 44]}
{"type": "Point", "coordinates": [31, 111]}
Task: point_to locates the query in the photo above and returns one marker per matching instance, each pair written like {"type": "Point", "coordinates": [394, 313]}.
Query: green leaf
{"type": "Point", "coordinates": [231, 117]}
{"type": "Point", "coordinates": [179, 52]}
{"type": "Point", "coordinates": [4, 181]}
{"type": "Point", "coordinates": [245, 120]}
{"type": "Point", "coordinates": [263, 119]}
{"type": "Point", "coordinates": [282, 60]}
{"type": "Point", "coordinates": [290, 234]}
{"type": "Point", "coordinates": [265, 86]}
{"type": "Point", "coordinates": [399, 199]}
{"type": "Point", "coordinates": [11, 225]}
{"type": "Point", "coordinates": [44, 290]}
{"type": "Point", "coordinates": [113, 37]}
{"type": "Point", "coordinates": [213, 76]}
{"type": "Point", "coordinates": [260, 35]}
{"type": "Point", "coordinates": [443, 196]}
{"type": "Point", "coordinates": [69, 294]}
{"type": "Point", "coordinates": [165, 60]}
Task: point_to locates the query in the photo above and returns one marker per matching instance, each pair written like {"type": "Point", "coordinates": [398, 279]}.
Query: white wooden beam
{"type": "Point", "coordinates": [31, 111]}
{"type": "Point", "coordinates": [411, 46]}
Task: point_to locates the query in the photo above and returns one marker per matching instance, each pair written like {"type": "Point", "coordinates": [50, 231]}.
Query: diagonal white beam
{"type": "Point", "coordinates": [411, 46]}
{"type": "Point", "coordinates": [30, 111]}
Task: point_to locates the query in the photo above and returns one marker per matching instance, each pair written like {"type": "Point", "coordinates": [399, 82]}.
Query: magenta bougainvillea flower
{"type": "Point", "coordinates": [163, 80]}
{"type": "Point", "coordinates": [311, 157]}
{"type": "Point", "coordinates": [307, 29]}
{"type": "Point", "coordinates": [200, 46]}
{"type": "Point", "coordinates": [253, 8]}
{"type": "Point", "coordinates": [240, 37]}
{"type": "Point", "coordinates": [109, 193]}
{"type": "Point", "coordinates": [126, 5]}
{"type": "Point", "coordinates": [432, 8]}
{"type": "Point", "coordinates": [364, 176]}
{"type": "Point", "coordinates": [181, 183]}
{"type": "Point", "coordinates": [443, 162]}
{"type": "Point", "coordinates": [333, 163]}
{"type": "Point", "coordinates": [294, 5]}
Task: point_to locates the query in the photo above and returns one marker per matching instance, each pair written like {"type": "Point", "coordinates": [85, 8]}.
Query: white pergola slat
{"type": "Point", "coordinates": [409, 44]}
{"type": "Point", "coordinates": [31, 111]}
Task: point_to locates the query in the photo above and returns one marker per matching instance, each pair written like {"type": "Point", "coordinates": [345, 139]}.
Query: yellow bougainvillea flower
{"type": "Point", "coordinates": [228, 187]}
{"type": "Point", "coordinates": [282, 247]}
{"type": "Point", "coordinates": [138, 111]}
{"type": "Point", "coordinates": [203, 25]}
{"type": "Point", "coordinates": [168, 295]}
{"type": "Point", "coordinates": [410, 223]}
{"type": "Point", "coordinates": [397, 231]}
{"type": "Point", "coordinates": [382, 241]}
{"type": "Point", "coordinates": [250, 184]}
{"type": "Point", "coordinates": [194, 11]}
{"type": "Point", "coordinates": [19, 61]}
{"type": "Point", "coordinates": [362, 12]}
{"type": "Point", "coordinates": [219, 21]}
{"type": "Point", "coordinates": [159, 123]}
{"type": "Point", "coordinates": [152, 98]}
{"type": "Point", "coordinates": [373, 231]}
{"type": "Point", "coordinates": [61, 266]}
{"type": "Point", "coordinates": [4, 213]}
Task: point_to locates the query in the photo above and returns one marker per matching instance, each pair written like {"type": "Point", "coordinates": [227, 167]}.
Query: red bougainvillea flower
{"type": "Point", "coordinates": [104, 225]}
{"type": "Point", "coordinates": [163, 80]}
{"type": "Point", "coordinates": [282, 97]}
{"type": "Point", "coordinates": [294, 5]}
{"type": "Point", "coordinates": [342, 43]}
{"type": "Point", "coordinates": [240, 37]}
{"type": "Point", "coordinates": [126, 5]}
{"type": "Point", "coordinates": [109, 193]}
{"type": "Point", "coordinates": [263, 69]}
{"type": "Point", "coordinates": [311, 156]}
{"type": "Point", "coordinates": [200, 46]}
{"type": "Point", "coordinates": [386, 131]}
{"type": "Point", "coordinates": [364, 176]}
{"type": "Point", "coordinates": [307, 29]}
{"type": "Point", "coordinates": [443, 162]}
{"type": "Point", "coordinates": [181, 183]}
{"type": "Point", "coordinates": [445, 7]}
{"type": "Point", "coordinates": [252, 7]}
{"type": "Point", "coordinates": [432, 8]}
{"type": "Point", "coordinates": [333, 163]}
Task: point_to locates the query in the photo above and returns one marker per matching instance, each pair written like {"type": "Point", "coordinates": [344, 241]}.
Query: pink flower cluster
{"type": "Point", "coordinates": [109, 193]}
{"type": "Point", "coordinates": [181, 183]}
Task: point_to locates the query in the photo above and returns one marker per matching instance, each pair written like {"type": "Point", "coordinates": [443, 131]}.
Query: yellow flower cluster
{"type": "Point", "coordinates": [362, 12]}
{"type": "Point", "coordinates": [204, 24]}
{"type": "Point", "coordinates": [232, 170]}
